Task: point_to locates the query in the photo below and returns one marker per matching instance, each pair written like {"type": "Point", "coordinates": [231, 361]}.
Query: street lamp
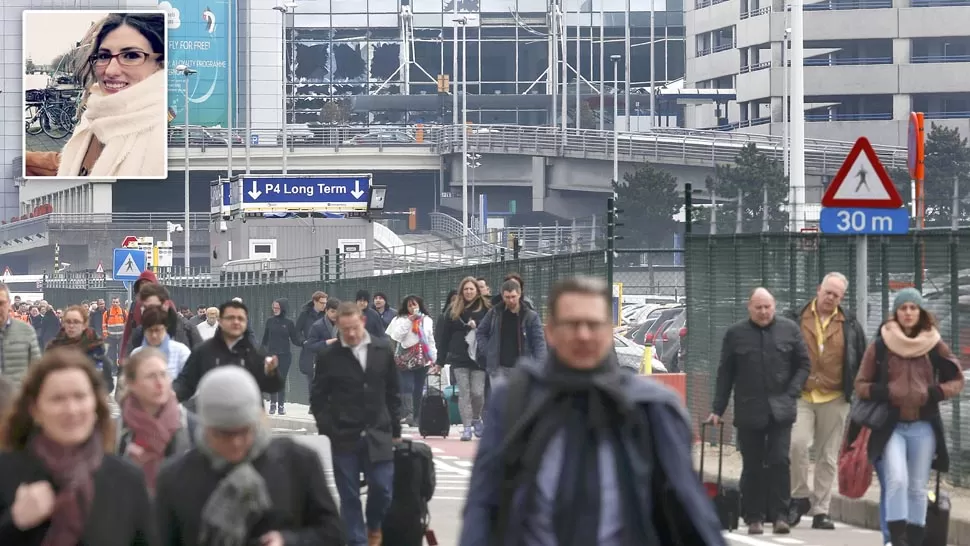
{"type": "Point", "coordinates": [616, 115]}
{"type": "Point", "coordinates": [186, 71]}
{"type": "Point", "coordinates": [463, 21]}
{"type": "Point", "coordinates": [284, 9]}
{"type": "Point", "coordinates": [474, 162]}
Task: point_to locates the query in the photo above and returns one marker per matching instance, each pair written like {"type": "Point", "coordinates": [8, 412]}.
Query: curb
{"type": "Point", "coordinates": [865, 513]}
{"type": "Point", "coordinates": [292, 424]}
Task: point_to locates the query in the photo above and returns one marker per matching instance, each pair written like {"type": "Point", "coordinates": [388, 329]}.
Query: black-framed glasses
{"type": "Point", "coordinates": [132, 57]}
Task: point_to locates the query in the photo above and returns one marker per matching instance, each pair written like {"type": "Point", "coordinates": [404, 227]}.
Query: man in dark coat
{"type": "Point", "coordinates": [372, 321]}
{"type": "Point", "coordinates": [241, 485]}
{"type": "Point", "coordinates": [765, 362]}
{"type": "Point", "coordinates": [354, 400]}
{"type": "Point", "coordinates": [230, 345]}
{"type": "Point", "coordinates": [311, 312]}
{"type": "Point", "coordinates": [323, 332]}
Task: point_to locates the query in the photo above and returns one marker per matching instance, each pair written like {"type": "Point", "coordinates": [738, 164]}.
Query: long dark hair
{"type": "Point", "coordinates": [149, 25]}
{"type": "Point", "coordinates": [926, 322]}
{"type": "Point", "coordinates": [402, 311]}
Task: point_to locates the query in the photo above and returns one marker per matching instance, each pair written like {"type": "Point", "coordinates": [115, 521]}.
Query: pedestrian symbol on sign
{"type": "Point", "coordinates": [862, 179]}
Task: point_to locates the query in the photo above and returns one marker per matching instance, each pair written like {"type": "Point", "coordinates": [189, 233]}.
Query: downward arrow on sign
{"type": "Point", "coordinates": [255, 193]}
{"type": "Point", "coordinates": [357, 193]}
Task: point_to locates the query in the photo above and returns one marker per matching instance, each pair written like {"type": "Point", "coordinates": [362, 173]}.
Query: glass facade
{"type": "Point", "coordinates": [338, 49]}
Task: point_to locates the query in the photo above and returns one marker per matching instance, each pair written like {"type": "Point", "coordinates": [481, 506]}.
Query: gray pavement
{"type": "Point", "coordinates": [804, 535]}
{"type": "Point", "coordinates": [43, 143]}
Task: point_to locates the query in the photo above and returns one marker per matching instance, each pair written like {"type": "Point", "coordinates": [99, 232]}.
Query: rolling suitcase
{"type": "Point", "coordinates": [451, 395]}
{"type": "Point", "coordinates": [727, 500]}
{"type": "Point", "coordinates": [406, 521]}
{"type": "Point", "coordinates": [433, 419]}
{"type": "Point", "coordinates": [937, 517]}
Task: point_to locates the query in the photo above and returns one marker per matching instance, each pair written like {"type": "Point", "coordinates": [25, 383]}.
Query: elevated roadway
{"type": "Point", "coordinates": [390, 150]}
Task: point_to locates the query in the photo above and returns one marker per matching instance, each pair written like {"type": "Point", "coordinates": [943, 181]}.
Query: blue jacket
{"type": "Point", "coordinates": [316, 341]}
{"type": "Point", "coordinates": [488, 336]}
{"type": "Point", "coordinates": [669, 428]}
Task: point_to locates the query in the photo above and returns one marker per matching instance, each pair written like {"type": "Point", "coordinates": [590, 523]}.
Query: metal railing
{"type": "Point", "coordinates": [696, 146]}
{"type": "Point", "coordinates": [94, 221]}
{"type": "Point", "coordinates": [847, 61]}
{"type": "Point", "coordinates": [872, 116]}
{"type": "Point", "coordinates": [947, 115]}
{"type": "Point", "coordinates": [843, 5]}
{"type": "Point", "coordinates": [925, 59]}
{"type": "Point", "coordinates": [309, 136]}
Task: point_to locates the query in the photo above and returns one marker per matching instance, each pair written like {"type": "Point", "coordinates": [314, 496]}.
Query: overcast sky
{"type": "Point", "coordinates": [48, 34]}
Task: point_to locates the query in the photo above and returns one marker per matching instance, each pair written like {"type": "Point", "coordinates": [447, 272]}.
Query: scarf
{"type": "Point", "coordinates": [908, 347]}
{"type": "Point", "coordinates": [590, 408]}
{"type": "Point", "coordinates": [131, 125]}
{"type": "Point", "coordinates": [240, 499]}
{"type": "Point", "coordinates": [417, 328]}
{"type": "Point", "coordinates": [152, 433]}
{"type": "Point", "coordinates": [163, 347]}
{"type": "Point", "coordinates": [88, 341]}
{"type": "Point", "coordinates": [72, 471]}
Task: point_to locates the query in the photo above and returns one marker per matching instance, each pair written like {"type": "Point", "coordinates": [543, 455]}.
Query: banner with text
{"type": "Point", "coordinates": [198, 37]}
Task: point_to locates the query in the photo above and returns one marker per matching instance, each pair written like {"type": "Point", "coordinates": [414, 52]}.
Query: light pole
{"type": "Point", "coordinates": [616, 114]}
{"type": "Point", "coordinates": [463, 21]}
{"type": "Point", "coordinates": [474, 162]}
{"type": "Point", "coordinates": [796, 178]}
{"type": "Point", "coordinates": [284, 9]}
{"type": "Point", "coordinates": [454, 65]}
{"type": "Point", "coordinates": [186, 72]}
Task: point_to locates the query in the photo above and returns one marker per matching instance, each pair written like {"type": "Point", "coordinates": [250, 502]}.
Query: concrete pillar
{"type": "Point", "coordinates": [538, 183]}
{"type": "Point", "coordinates": [902, 48]}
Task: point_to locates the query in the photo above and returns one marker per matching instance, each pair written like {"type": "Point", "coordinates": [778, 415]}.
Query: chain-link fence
{"type": "Point", "coordinates": [722, 270]}
{"type": "Point", "coordinates": [259, 289]}
{"type": "Point", "coordinates": [649, 272]}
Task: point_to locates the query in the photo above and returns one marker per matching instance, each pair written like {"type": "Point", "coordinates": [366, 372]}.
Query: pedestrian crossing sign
{"type": "Point", "coordinates": [128, 264]}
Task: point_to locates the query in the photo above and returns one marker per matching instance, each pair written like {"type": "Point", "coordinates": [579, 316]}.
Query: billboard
{"type": "Point", "coordinates": [199, 38]}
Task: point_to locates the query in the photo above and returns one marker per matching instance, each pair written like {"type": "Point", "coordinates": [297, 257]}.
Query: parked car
{"type": "Point", "coordinates": [648, 330]}
{"type": "Point", "coordinates": [381, 137]}
{"type": "Point", "coordinates": [671, 341]}
{"type": "Point", "coordinates": [630, 355]}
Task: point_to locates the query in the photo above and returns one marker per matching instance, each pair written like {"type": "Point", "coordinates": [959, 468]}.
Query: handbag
{"type": "Point", "coordinates": [855, 470]}
{"type": "Point", "coordinates": [874, 414]}
{"type": "Point", "coordinates": [409, 358]}
{"type": "Point", "coordinates": [472, 340]}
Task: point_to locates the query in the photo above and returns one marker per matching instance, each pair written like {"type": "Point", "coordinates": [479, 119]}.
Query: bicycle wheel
{"type": "Point", "coordinates": [51, 122]}
{"type": "Point", "coordinates": [67, 121]}
{"type": "Point", "coordinates": [32, 119]}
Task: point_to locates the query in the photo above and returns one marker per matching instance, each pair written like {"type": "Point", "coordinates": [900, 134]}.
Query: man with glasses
{"type": "Point", "coordinates": [577, 451]}
{"type": "Point", "coordinates": [230, 345]}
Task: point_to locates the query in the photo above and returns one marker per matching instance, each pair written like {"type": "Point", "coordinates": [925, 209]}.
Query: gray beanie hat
{"type": "Point", "coordinates": [907, 295]}
{"type": "Point", "coordinates": [229, 398]}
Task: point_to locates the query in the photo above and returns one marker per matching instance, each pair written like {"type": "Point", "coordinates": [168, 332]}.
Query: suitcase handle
{"type": "Point", "coordinates": [720, 450]}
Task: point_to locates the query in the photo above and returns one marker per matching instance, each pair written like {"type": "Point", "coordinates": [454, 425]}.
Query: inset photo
{"type": "Point", "coordinates": [95, 94]}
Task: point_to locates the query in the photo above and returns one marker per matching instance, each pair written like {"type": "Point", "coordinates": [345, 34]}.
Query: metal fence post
{"type": "Point", "coordinates": [884, 273]}
{"type": "Point", "coordinates": [955, 432]}
{"type": "Point", "coordinates": [337, 260]}
{"type": "Point", "coordinates": [918, 261]}
{"type": "Point", "coordinates": [326, 265]}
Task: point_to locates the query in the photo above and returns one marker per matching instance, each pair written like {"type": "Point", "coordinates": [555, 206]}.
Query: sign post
{"type": "Point", "coordinates": [916, 142]}
{"type": "Point", "coordinates": [301, 193]}
{"type": "Point", "coordinates": [862, 200]}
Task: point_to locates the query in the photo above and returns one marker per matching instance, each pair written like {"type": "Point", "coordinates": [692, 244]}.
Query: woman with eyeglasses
{"type": "Point", "coordinates": [76, 333]}
{"type": "Point", "coordinates": [122, 132]}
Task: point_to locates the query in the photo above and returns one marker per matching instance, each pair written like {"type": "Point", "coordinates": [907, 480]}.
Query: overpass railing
{"type": "Point", "coordinates": [689, 146]}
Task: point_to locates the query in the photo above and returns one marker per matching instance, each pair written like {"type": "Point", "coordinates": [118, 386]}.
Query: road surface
{"type": "Point", "coordinates": [804, 535]}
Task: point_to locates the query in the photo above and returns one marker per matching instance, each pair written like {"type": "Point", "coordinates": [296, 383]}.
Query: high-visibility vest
{"type": "Point", "coordinates": [114, 321]}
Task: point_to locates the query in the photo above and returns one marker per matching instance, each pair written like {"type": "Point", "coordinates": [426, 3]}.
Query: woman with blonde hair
{"type": "Point", "coordinates": [75, 332]}
{"type": "Point", "coordinates": [56, 458]}
{"type": "Point", "coordinates": [458, 349]}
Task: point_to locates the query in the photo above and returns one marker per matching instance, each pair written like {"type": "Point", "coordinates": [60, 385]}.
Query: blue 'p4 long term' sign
{"type": "Point", "coordinates": [302, 193]}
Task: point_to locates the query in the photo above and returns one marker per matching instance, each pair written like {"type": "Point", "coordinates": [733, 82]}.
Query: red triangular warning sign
{"type": "Point", "coordinates": [100, 268]}
{"type": "Point", "coordinates": [862, 182]}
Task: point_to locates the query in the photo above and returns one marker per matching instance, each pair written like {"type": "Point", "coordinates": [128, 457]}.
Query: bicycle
{"type": "Point", "coordinates": [52, 113]}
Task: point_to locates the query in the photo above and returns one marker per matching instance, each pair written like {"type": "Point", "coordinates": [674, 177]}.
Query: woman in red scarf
{"type": "Point", "coordinates": [55, 458]}
{"type": "Point", "coordinates": [152, 425]}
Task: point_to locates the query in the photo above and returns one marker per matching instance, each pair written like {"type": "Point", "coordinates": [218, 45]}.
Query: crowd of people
{"type": "Point", "coordinates": [568, 440]}
{"type": "Point", "coordinates": [795, 379]}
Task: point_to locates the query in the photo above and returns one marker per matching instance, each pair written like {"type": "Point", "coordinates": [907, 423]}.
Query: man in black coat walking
{"type": "Point", "coordinates": [230, 345]}
{"type": "Point", "coordinates": [354, 400]}
{"type": "Point", "coordinates": [765, 362]}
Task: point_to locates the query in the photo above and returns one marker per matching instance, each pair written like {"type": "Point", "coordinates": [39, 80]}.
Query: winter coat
{"type": "Point", "coordinates": [387, 315]}
{"type": "Point", "coordinates": [214, 353]}
{"type": "Point", "coordinates": [134, 312]}
{"type": "Point", "coordinates": [532, 340]}
{"type": "Point", "coordinates": [308, 315]}
{"type": "Point", "coordinates": [121, 515]}
{"type": "Point", "coordinates": [316, 341]}
{"type": "Point", "coordinates": [766, 367]}
{"type": "Point", "coordinates": [854, 341]}
{"type": "Point", "coordinates": [373, 323]}
{"type": "Point", "coordinates": [350, 402]}
{"type": "Point", "coordinates": [182, 441]}
{"type": "Point", "coordinates": [303, 510]}
{"type": "Point", "coordinates": [18, 348]}
{"type": "Point", "coordinates": [400, 331]}
{"type": "Point", "coordinates": [93, 346]}
{"type": "Point", "coordinates": [452, 342]}
{"type": "Point", "coordinates": [178, 329]}
{"type": "Point", "coordinates": [50, 325]}
{"type": "Point", "coordinates": [280, 332]}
